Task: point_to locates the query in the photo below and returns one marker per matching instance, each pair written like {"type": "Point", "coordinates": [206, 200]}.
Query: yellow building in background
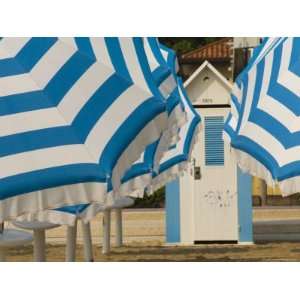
{"type": "Point", "coordinates": [256, 188]}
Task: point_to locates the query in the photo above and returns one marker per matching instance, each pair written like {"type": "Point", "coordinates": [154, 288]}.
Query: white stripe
{"type": "Point", "coordinates": [119, 111]}
{"type": "Point", "coordinates": [32, 120]}
{"type": "Point", "coordinates": [168, 86]}
{"type": "Point", "coordinates": [233, 123]}
{"type": "Point", "coordinates": [164, 54]}
{"type": "Point", "coordinates": [41, 73]}
{"type": "Point", "coordinates": [282, 155]}
{"type": "Point", "coordinates": [237, 92]}
{"type": "Point", "coordinates": [69, 41]}
{"type": "Point", "coordinates": [270, 45]}
{"type": "Point", "coordinates": [132, 63]}
{"type": "Point", "coordinates": [249, 97]}
{"type": "Point", "coordinates": [286, 78]}
{"type": "Point", "coordinates": [43, 158]}
{"type": "Point", "coordinates": [67, 109]}
{"type": "Point", "coordinates": [101, 52]}
{"type": "Point", "coordinates": [182, 133]}
{"type": "Point", "coordinates": [150, 56]}
{"type": "Point", "coordinates": [273, 107]}
{"type": "Point", "coordinates": [84, 88]}
{"type": "Point", "coordinates": [10, 47]}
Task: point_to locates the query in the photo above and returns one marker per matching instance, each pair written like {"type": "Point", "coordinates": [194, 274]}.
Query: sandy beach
{"type": "Point", "coordinates": [144, 238]}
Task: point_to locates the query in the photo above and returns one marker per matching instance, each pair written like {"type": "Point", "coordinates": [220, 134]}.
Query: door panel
{"type": "Point", "coordinates": [215, 201]}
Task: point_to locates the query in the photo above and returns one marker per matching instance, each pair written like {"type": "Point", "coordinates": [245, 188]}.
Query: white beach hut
{"type": "Point", "coordinates": [203, 205]}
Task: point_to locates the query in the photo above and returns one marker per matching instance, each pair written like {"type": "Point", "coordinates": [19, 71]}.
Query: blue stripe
{"type": "Point", "coordinates": [172, 101]}
{"type": "Point", "coordinates": [140, 52]}
{"type": "Point", "coordinates": [128, 131]}
{"type": "Point", "coordinates": [171, 59]}
{"type": "Point", "coordinates": [155, 48]}
{"type": "Point", "coordinates": [278, 91]}
{"type": "Point", "coordinates": [181, 157]}
{"type": "Point", "coordinates": [170, 163]}
{"type": "Point", "coordinates": [266, 120]}
{"type": "Point", "coordinates": [117, 58]}
{"type": "Point", "coordinates": [27, 58]}
{"type": "Point", "coordinates": [67, 76]}
{"type": "Point", "coordinates": [38, 139]}
{"type": "Point", "coordinates": [67, 135]}
{"type": "Point", "coordinates": [24, 102]}
{"type": "Point", "coordinates": [73, 209]}
{"type": "Point", "coordinates": [103, 98]}
{"type": "Point", "coordinates": [160, 74]}
{"type": "Point", "coordinates": [265, 158]}
{"type": "Point", "coordinates": [294, 64]}
{"type": "Point", "coordinates": [235, 102]}
{"type": "Point", "coordinates": [84, 46]}
{"type": "Point", "coordinates": [53, 93]}
{"type": "Point", "coordinates": [150, 154]}
{"type": "Point", "coordinates": [48, 178]}
{"type": "Point", "coordinates": [136, 170]}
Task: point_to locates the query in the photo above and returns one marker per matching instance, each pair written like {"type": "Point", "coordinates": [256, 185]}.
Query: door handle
{"type": "Point", "coordinates": [197, 173]}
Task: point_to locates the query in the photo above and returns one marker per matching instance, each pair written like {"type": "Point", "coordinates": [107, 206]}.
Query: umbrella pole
{"type": "Point", "coordinates": [87, 241]}
{"type": "Point", "coordinates": [119, 229]}
{"type": "Point", "coordinates": [71, 242]}
{"type": "Point", "coordinates": [2, 254]}
{"type": "Point", "coordinates": [263, 192]}
{"type": "Point", "coordinates": [2, 249]}
{"type": "Point", "coordinates": [106, 232]}
{"type": "Point", "coordinates": [39, 245]}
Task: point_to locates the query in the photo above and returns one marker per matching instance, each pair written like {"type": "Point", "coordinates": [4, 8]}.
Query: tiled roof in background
{"type": "Point", "coordinates": [221, 50]}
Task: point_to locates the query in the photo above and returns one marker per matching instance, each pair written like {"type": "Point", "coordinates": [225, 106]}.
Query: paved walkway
{"type": "Point", "coordinates": [141, 225]}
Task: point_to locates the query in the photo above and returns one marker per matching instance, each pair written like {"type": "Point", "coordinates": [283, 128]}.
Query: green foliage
{"type": "Point", "coordinates": [186, 44]}
{"type": "Point", "coordinates": [156, 200]}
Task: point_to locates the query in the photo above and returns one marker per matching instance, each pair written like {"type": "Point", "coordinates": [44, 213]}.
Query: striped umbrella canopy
{"type": "Point", "coordinates": [75, 113]}
{"type": "Point", "coordinates": [263, 127]}
{"type": "Point", "coordinates": [139, 175]}
{"type": "Point", "coordinates": [162, 57]}
{"type": "Point", "coordinates": [175, 161]}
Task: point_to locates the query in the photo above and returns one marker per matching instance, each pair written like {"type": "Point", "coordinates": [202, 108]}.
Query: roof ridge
{"type": "Point", "coordinates": [206, 46]}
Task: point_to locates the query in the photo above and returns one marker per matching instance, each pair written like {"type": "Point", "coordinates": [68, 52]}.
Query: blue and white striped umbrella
{"type": "Point", "coordinates": [166, 58]}
{"type": "Point", "coordinates": [139, 176]}
{"type": "Point", "coordinates": [142, 175]}
{"type": "Point", "coordinates": [264, 126]}
{"type": "Point", "coordinates": [75, 113]}
{"type": "Point", "coordinates": [176, 157]}
{"type": "Point", "coordinates": [175, 161]}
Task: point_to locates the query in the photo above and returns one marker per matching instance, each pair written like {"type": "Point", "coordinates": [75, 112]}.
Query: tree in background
{"type": "Point", "coordinates": [186, 44]}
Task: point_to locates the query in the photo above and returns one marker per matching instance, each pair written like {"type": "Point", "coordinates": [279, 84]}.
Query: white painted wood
{"type": "Point", "coordinates": [215, 194]}
{"type": "Point", "coordinates": [106, 231]}
{"type": "Point", "coordinates": [208, 83]}
{"type": "Point", "coordinates": [39, 245]}
{"type": "Point", "coordinates": [208, 207]}
{"type": "Point", "coordinates": [71, 243]}
{"type": "Point", "coordinates": [186, 207]}
{"type": "Point", "coordinates": [87, 241]}
{"type": "Point", "coordinates": [119, 228]}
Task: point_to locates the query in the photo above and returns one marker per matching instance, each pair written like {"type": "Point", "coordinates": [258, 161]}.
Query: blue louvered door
{"type": "Point", "coordinates": [215, 198]}
{"type": "Point", "coordinates": [214, 145]}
